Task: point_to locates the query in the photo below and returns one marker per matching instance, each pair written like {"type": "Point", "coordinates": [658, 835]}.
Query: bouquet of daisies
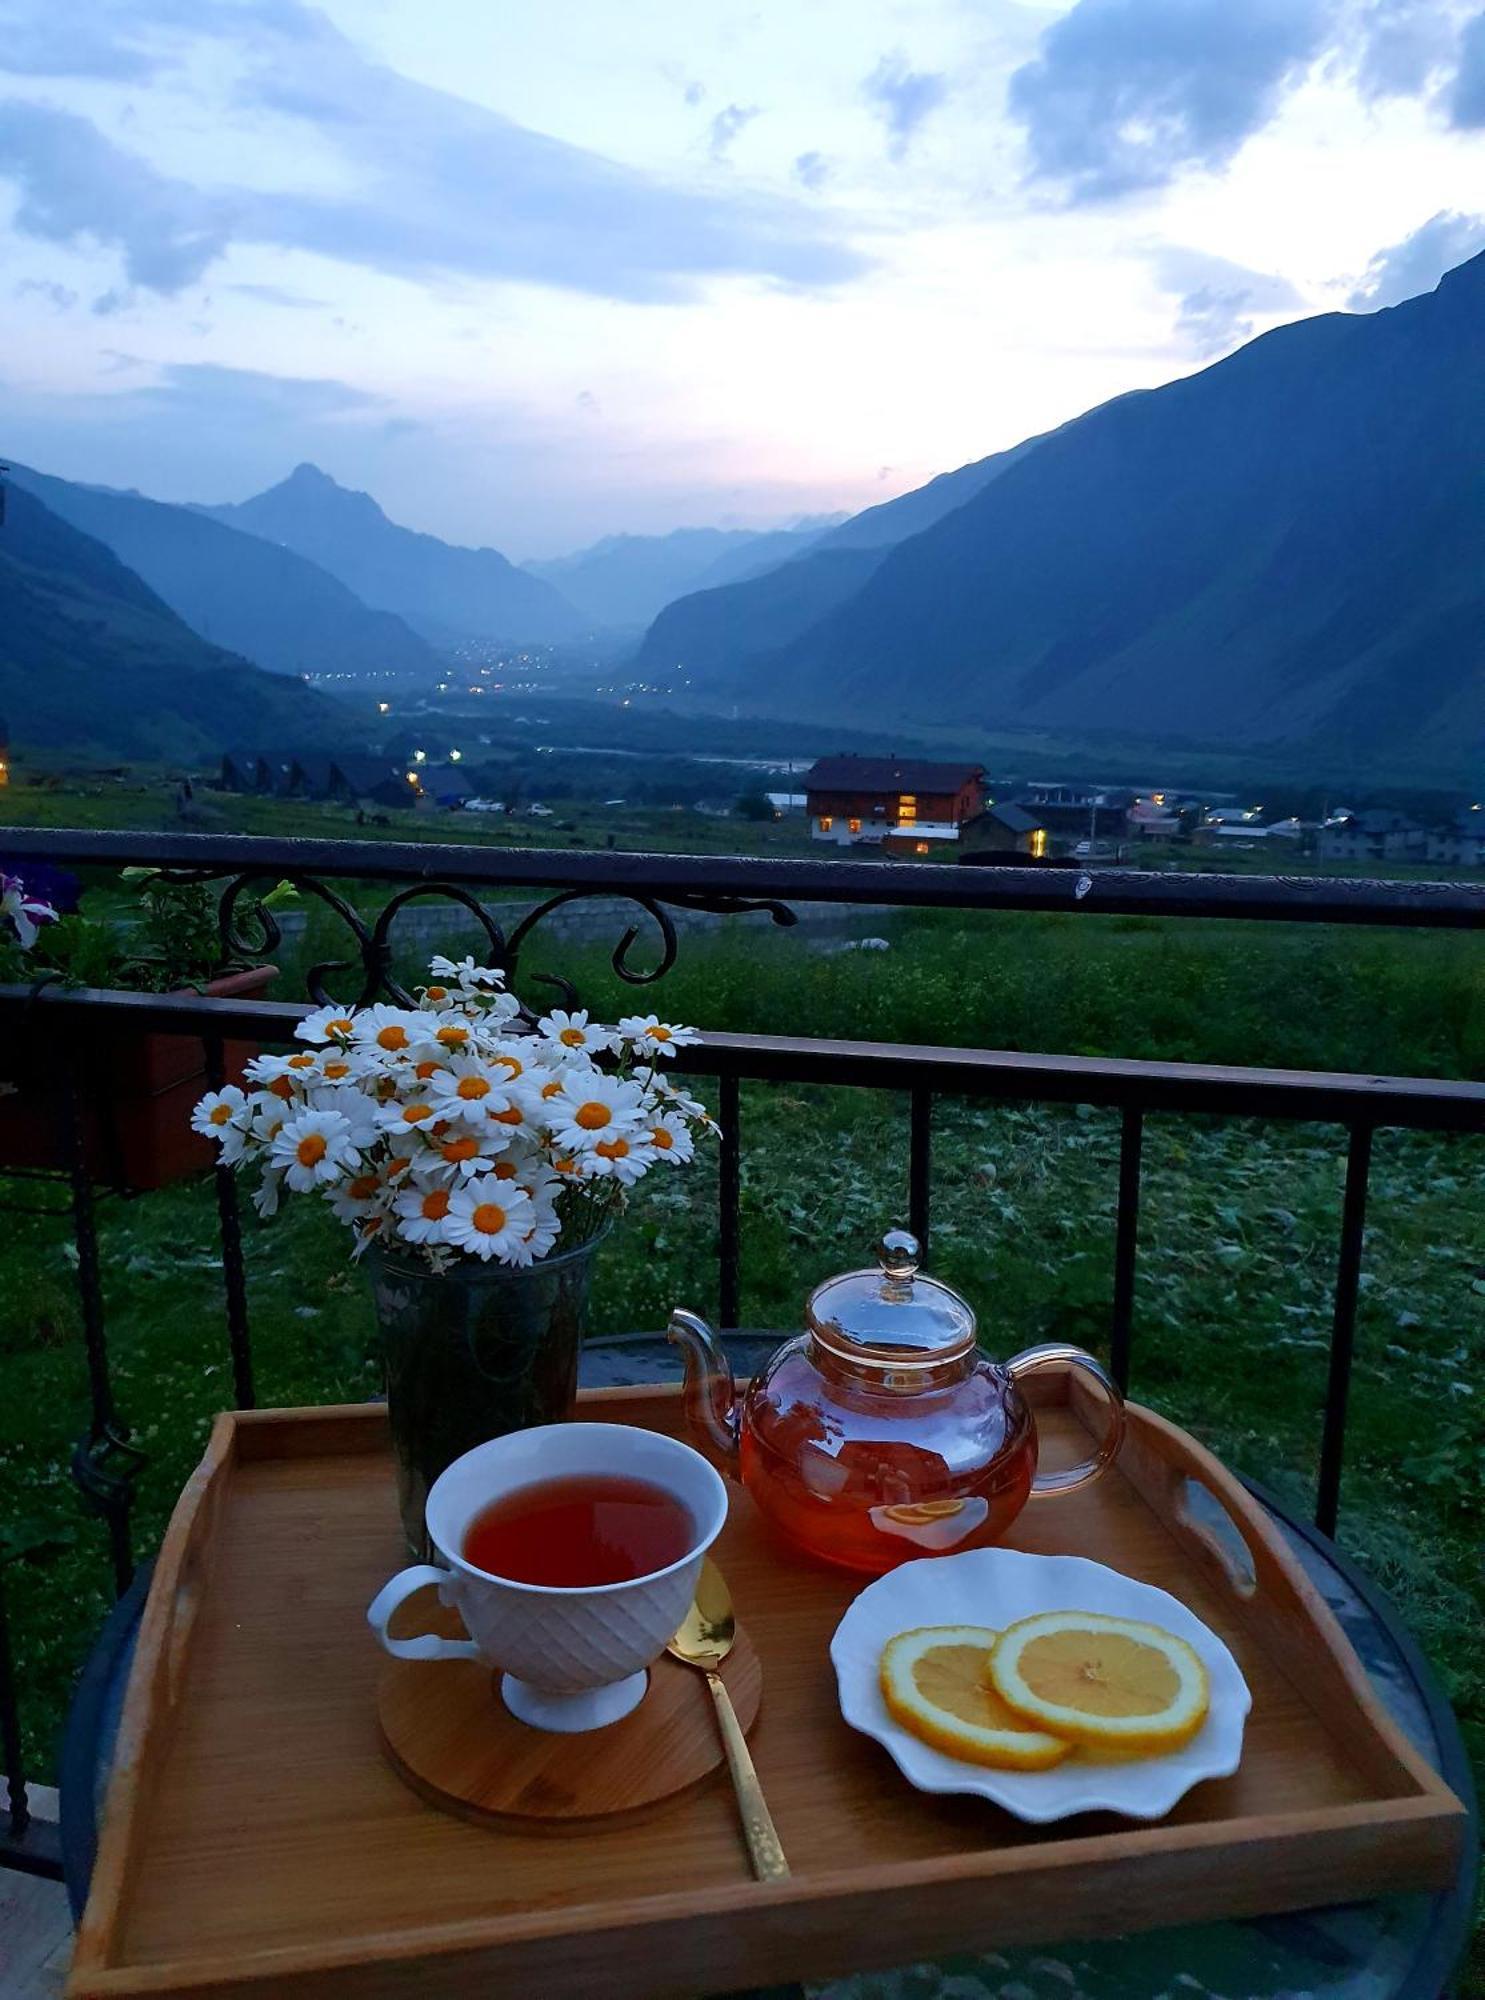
{"type": "Point", "coordinates": [445, 1129]}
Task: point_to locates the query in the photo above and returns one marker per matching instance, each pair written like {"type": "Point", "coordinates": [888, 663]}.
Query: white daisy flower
{"type": "Point", "coordinates": [327, 1024]}
{"type": "Point", "coordinates": [462, 1087]}
{"type": "Point", "coordinates": [457, 1156]}
{"type": "Point", "coordinates": [538, 1241]}
{"type": "Point", "coordinates": [355, 1199]}
{"type": "Point", "coordinates": [271, 1069]}
{"type": "Point", "coordinates": [452, 1036]}
{"type": "Point", "coordinates": [367, 1232]}
{"type": "Point", "coordinates": [489, 1218]}
{"type": "Point", "coordinates": [399, 1121]}
{"type": "Point", "coordinates": [266, 1193]}
{"type": "Point", "coordinates": [468, 977]}
{"type": "Point", "coordinates": [422, 1214]}
{"type": "Point", "coordinates": [266, 1112]}
{"type": "Point", "coordinates": [515, 1112]}
{"type": "Point", "coordinates": [625, 1157]}
{"type": "Point", "coordinates": [574, 1031]}
{"type": "Point", "coordinates": [340, 1065]}
{"type": "Point", "coordinates": [513, 1057]}
{"type": "Point", "coordinates": [590, 1106]}
{"type": "Point", "coordinates": [388, 1032]}
{"type": "Point", "coordinates": [359, 1112]}
{"type": "Point", "coordinates": [670, 1136]}
{"type": "Point", "coordinates": [216, 1112]}
{"type": "Point", "coordinates": [313, 1148]}
{"type": "Point", "coordinates": [649, 1035]}
{"type": "Point", "coordinates": [674, 1098]}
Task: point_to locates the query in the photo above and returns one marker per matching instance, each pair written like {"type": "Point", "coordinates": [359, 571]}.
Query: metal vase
{"type": "Point", "coordinates": [472, 1353]}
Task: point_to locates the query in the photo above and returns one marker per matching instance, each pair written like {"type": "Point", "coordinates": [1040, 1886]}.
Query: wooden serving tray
{"type": "Point", "coordinates": [256, 1843]}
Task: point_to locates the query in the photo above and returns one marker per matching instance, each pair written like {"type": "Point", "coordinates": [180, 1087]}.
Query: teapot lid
{"type": "Point", "coordinates": [892, 1313]}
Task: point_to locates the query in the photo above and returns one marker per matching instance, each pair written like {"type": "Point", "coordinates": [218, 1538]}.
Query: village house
{"type": "Point", "coordinates": [1378, 835]}
{"type": "Point", "coordinates": [851, 800]}
{"type": "Point", "coordinates": [1461, 844]}
{"type": "Point", "coordinates": [1006, 829]}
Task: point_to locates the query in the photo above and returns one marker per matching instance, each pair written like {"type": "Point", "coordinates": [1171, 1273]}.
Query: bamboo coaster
{"type": "Point", "coordinates": [448, 1734]}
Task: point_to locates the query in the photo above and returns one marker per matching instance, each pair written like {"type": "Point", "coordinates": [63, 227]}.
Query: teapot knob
{"type": "Point", "coordinates": [898, 1254]}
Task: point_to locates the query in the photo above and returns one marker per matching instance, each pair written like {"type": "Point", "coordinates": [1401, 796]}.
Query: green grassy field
{"type": "Point", "coordinates": [1238, 1237]}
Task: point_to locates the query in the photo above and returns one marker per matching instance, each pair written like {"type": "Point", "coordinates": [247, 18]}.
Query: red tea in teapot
{"type": "Point", "coordinates": [571, 1534]}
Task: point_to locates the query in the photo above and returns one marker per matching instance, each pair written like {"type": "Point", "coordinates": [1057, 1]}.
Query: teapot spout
{"type": "Point", "coordinates": [711, 1394]}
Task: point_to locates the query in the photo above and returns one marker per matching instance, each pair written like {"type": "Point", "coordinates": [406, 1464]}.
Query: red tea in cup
{"type": "Point", "coordinates": [585, 1530]}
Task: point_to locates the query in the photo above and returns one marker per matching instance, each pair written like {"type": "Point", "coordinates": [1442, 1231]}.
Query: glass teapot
{"type": "Point", "coordinates": [882, 1433]}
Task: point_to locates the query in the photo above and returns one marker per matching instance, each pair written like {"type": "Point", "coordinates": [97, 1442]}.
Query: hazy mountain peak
{"type": "Point", "coordinates": [445, 592]}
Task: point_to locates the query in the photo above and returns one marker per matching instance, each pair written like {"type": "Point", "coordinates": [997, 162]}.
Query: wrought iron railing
{"type": "Point", "coordinates": [106, 1461]}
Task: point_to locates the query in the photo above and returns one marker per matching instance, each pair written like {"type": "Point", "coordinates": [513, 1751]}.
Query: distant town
{"type": "Point", "coordinates": [916, 809]}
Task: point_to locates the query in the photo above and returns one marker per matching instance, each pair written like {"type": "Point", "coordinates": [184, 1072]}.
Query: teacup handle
{"type": "Point", "coordinates": [427, 1645]}
{"type": "Point", "coordinates": [1054, 1354]}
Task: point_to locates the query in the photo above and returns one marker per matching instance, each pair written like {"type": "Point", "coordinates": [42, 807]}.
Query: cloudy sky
{"type": "Point", "coordinates": [536, 273]}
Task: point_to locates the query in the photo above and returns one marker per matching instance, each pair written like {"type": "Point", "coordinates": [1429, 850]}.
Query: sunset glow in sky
{"type": "Point", "coordinates": [532, 274]}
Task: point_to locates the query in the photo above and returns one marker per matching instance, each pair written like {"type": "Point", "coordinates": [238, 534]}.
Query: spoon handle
{"type": "Point", "coordinates": [767, 1854]}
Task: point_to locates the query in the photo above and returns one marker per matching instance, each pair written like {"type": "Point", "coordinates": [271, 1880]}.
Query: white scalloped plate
{"type": "Point", "coordinates": [995, 1587]}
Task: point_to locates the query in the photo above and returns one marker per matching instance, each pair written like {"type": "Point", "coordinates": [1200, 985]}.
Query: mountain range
{"type": "Point", "coordinates": [250, 596]}
{"type": "Point", "coordinates": [709, 630]}
{"type": "Point", "coordinates": [447, 594]}
{"type": "Point", "coordinates": [91, 658]}
{"type": "Point", "coordinates": [1280, 552]}
{"type": "Point", "coordinates": [1284, 550]}
{"type": "Point", "coordinates": [623, 581]}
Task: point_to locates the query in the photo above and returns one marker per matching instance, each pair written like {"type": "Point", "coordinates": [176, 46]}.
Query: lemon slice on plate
{"type": "Point", "coordinates": [1110, 1685]}
{"type": "Point", "coordinates": [934, 1683]}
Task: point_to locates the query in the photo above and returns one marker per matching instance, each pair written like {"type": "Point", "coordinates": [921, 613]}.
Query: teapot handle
{"type": "Point", "coordinates": [1057, 1353]}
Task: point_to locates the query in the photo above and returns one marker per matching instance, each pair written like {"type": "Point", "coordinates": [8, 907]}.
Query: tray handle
{"type": "Point", "coordinates": [1242, 1553]}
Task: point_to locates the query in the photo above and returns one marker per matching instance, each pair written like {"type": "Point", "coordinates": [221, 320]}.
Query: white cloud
{"type": "Point", "coordinates": [1416, 264]}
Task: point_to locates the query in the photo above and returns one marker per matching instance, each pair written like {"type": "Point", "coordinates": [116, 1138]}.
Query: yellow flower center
{"type": "Point", "coordinates": [424, 1070]}
{"type": "Point", "coordinates": [474, 1086]}
{"type": "Point", "coordinates": [414, 1114]}
{"type": "Point", "coordinates": [435, 1205]}
{"type": "Point", "coordinates": [566, 1166]}
{"type": "Point", "coordinates": [392, 1036]}
{"type": "Point", "coordinates": [455, 1150]}
{"type": "Point", "coordinates": [281, 1087]}
{"type": "Point", "coordinates": [573, 1037]}
{"type": "Point", "coordinates": [488, 1218]}
{"type": "Point", "coordinates": [362, 1188]}
{"type": "Point", "coordinates": [340, 1026]}
{"type": "Point", "coordinates": [220, 1113]}
{"type": "Point", "coordinates": [398, 1166]}
{"type": "Point", "coordinates": [551, 1089]}
{"type": "Point", "coordinates": [661, 1139]}
{"type": "Point", "coordinates": [592, 1116]}
{"type": "Point", "coordinates": [613, 1149]}
{"type": "Point", "coordinates": [512, 1115]}
{"type": "Point", "coordinates": [436, 992]}
{"type": "Point", "coordinates": [336, 1070]}
{"type": "Point", "coordinates": [658, 1033]}
{"type": "Point", "coordinates": [310, 1150]}
{"type": "Point", "coordinates": [512, 1063]}
{"type": "Point", "coordinates": [301, 1062]}
{"type": "Point", "coordinates": [503, 1170]}
{"type": "Point", "coordinates": [452, 1038]}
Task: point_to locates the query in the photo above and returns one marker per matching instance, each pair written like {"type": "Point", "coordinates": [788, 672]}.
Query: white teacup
{"type": "Point", "coordinates": [571, 1658]}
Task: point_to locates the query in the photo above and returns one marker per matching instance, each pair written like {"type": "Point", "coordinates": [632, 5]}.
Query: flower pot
{"type": "Point", "coordinates": [137, 1094]}
{"type": "Point", "coordinates": [472, 1353]}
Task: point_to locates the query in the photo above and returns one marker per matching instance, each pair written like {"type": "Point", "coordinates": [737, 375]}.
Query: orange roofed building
{"type": "Point", "coordinates": [907, 800]}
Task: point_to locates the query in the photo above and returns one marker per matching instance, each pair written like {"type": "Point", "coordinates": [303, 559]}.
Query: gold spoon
{"type": "Point", "coordinates": [704, 1641]}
